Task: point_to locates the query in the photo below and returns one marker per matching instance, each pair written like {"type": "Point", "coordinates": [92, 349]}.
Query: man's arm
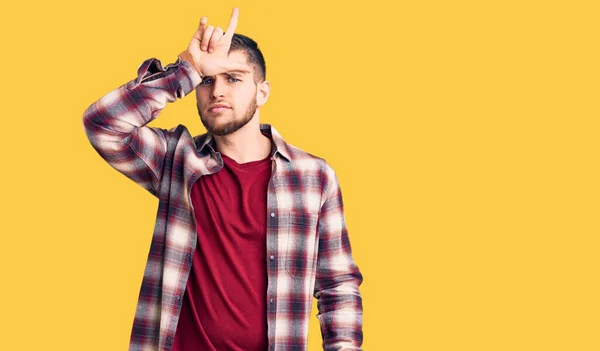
{"type": "Point", "coordinates": [116, 124]}
{"type": "Point", "coordinates": [336, 289]}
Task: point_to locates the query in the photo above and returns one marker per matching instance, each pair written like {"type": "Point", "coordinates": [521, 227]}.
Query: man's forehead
{"type": "Point", "coordinates": [239, 59]}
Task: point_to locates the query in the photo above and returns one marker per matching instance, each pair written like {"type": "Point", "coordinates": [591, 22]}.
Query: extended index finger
{"type": "Point", "coordinates": [232, 23]}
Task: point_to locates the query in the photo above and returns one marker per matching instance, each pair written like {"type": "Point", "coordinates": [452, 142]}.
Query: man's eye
{"type": "Point", "coordinates": [235, 79]}
{"type": "Point", "coordinates": [206, 80]}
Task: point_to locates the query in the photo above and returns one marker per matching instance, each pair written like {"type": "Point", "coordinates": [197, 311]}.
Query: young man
{"type": "Point", "coordinates": [249, 227]}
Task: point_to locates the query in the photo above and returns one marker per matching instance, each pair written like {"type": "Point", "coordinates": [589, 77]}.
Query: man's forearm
{"type": "Point", "coordinates": [341, 315]}
{"type": "Point", "coordinates": [140, 101]}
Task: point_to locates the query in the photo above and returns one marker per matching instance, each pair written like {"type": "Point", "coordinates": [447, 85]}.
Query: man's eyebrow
{"type": "Point", "coordinates": [240, 71]}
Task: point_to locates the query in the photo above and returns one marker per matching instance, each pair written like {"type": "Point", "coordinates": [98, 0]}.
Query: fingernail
{"type": "Point", "coordinates": [211, 50]}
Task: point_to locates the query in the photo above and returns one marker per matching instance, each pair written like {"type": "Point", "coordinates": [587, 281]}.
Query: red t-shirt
{"type": "Point", "coordinates": [224, 306]}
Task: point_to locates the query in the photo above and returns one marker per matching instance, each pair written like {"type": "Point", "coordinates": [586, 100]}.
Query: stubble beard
{"type": "Point", "coordinates": [214, 127]}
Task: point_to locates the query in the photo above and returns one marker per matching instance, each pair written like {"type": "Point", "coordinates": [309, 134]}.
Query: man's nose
{"type": "Point", "coordinates": [218, 88]}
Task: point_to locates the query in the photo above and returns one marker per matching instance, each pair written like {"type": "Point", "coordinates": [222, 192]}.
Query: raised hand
{"type": "Point", "coordinates": [209, 46]}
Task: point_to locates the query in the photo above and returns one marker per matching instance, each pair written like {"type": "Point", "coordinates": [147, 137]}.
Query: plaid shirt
{"type": "Point", "coordinates": [308, 250]}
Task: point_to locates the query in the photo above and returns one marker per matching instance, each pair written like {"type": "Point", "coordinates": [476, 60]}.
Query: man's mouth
{"type": "Point", "coordinates": [218, 109]}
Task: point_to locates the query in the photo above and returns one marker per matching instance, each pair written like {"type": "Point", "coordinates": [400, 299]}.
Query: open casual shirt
{"type": "Point", "coordinates": [308, 249]}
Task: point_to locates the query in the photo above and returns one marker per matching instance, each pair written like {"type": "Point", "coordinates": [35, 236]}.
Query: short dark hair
{"type": "Point", "coordinates": [254, 56]}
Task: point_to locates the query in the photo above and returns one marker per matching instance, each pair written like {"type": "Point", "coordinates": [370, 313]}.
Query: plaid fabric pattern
{"type": "Point", "coordinates": [308, 249]}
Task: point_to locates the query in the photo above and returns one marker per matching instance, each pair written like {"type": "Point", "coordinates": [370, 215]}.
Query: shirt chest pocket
{"type": "Point", "coordinates": [301, 239]}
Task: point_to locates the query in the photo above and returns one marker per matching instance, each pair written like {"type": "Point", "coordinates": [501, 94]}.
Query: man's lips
{"type": "Point", "coordinates": [218, 108]}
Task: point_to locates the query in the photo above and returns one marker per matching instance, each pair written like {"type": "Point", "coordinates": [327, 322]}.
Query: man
{"type": "Point", "coordinates": [249, 227]}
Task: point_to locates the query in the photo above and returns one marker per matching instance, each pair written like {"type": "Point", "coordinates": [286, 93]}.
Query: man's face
{"type": "Point", "coordinates": [236, 90]}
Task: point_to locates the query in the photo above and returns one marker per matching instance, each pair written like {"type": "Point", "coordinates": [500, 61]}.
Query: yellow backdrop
{"type": "Point", "coordinates": [464, 135]}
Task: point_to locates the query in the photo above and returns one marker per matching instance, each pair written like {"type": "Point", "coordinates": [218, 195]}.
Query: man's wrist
{"type": "Point", "coordinates": [186, 56]}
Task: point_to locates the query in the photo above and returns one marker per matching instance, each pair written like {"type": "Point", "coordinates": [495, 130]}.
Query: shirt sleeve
{"type": "Point", "coordinates": [116, 123]}
{"type": "Point", "coordinates": [339, 301]}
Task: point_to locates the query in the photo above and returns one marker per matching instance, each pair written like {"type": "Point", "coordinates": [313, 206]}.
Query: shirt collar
{"type": "Point", "coordinates": [279, 145]}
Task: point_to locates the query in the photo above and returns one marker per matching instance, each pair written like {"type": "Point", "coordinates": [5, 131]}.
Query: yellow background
{"type": "Point", "coordinates": [464, 135]}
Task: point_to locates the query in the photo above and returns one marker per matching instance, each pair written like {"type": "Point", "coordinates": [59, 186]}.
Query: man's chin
{"type": "Point", "coordinates": [219, 129]}
{"type": "Point", "coordinates": [214, 124]}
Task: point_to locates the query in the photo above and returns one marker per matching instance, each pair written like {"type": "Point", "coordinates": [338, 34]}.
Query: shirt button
{"type": "Point", "coordinates": [178, 297]}
{"type": "Point", "coordinates": [272, 257]}
{"type": "Point", "coordinates": [272, 214]}
{"type": "Point", "coordinates": [271, 300]}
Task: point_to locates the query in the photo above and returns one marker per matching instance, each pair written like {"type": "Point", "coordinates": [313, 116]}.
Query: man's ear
{"type": "Point", "coordinates": [263, 89]}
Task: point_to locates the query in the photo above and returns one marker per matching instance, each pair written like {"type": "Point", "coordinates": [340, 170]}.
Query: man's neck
{"type": "Point", "coordinates": [247, 144]}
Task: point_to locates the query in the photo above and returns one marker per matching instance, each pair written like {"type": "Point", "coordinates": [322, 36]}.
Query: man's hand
{"type": "Point", "coordinates": [209, 46]}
